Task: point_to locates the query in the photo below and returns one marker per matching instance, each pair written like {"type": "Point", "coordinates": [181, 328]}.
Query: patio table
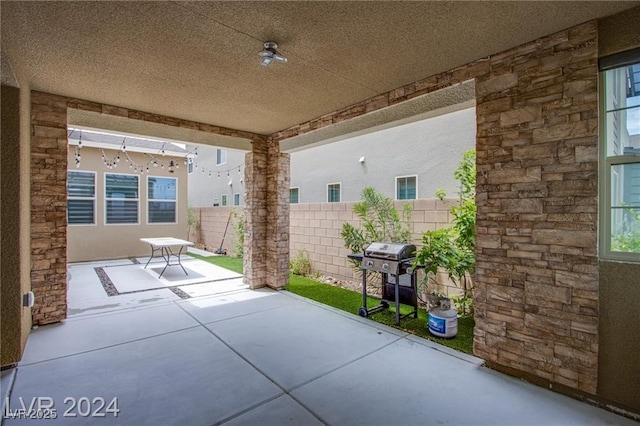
{"type": "Point", "coordinates": [165, 246]}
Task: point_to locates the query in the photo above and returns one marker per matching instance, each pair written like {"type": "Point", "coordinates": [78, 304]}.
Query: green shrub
{"type": "Point", "coordinates": [380, 221]}
{"type": "Point", "coordinates": [301, 264]}
{"type": "Point", "coordinates": [453, 248]}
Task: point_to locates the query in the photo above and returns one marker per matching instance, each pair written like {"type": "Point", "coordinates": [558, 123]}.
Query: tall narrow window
{"type": "Point", "coordinates": [221, 156]}
{"type": "Point", "coordinates": [122, 196]}
{"type": "Point", "coordinates": [162, 198]}
{"type": "Point", "coordinates": [294, 195]}
{"type": "Point", "coordinates": [406, 187]}
{"type": "Point", "coordinates": [189, 165]}
{"type": "Point", "coordinates": [236, 199]}
{"type": "Point", "coordinates": [223, 200]}
{"type": "Point", "coordinates": [621, 135]}
{"type": "Point", "coordinates": [333, 193]}
{"type": "Point", "coordinates": [81, 198]}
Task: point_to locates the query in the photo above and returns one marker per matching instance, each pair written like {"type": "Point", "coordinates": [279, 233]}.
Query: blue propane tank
{"type": "Point", "coordinates": [443, 321]}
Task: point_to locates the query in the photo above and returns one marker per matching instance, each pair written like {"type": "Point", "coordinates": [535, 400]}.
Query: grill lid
{"type": "Point", "coordinates": [392, 251]}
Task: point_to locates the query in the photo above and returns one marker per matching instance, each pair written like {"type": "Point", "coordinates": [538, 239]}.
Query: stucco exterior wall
{"type": "Point", "coordinates": [206, 188]}
{"type": "Point", "coordinates": [105, 241]}
{"type": "Point", "coordinates": [389, 153]}
{"type": "Point", "coordinates": [440, 142]}
{"type": "Point", "coordinates": [11, 303]}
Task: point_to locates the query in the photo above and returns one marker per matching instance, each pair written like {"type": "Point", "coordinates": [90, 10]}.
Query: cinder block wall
{"type": "Point", "coordinates": [315, 228]}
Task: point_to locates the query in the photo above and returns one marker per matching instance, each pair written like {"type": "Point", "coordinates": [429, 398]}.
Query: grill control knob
{"type": "Point", "coordinates": [385, 266]}
{"type": "Point", "coordinates": [370, 263]}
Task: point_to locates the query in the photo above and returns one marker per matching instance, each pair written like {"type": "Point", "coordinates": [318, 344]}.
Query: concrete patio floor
{"type": "Point", "coordinates": [264, 357]}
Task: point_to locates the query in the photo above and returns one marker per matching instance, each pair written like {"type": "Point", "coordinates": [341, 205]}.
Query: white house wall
{"type": "Point", "coordinates": [205, 188]}
{"type": "Point", "coordinates": [429, 149]}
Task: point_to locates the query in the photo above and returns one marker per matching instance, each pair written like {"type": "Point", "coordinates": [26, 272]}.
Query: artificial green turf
{"type": "Point", "coordinates": [351, 301]}
{"type": "Point", "coordinates": [232, 263]}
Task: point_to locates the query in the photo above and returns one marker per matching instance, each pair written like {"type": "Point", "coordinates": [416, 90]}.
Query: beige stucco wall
{"type": "Point", "coordinates": [101, 241]}
{"type": "Point", "coordinates": [15, 261]}
{"type": "Point", "coordinates": [25, 208]}
{"type": "Point", "coordinates": [10, 306]}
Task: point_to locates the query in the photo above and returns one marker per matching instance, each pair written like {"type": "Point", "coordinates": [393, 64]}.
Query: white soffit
{"type": "Point", "coordinates": [440, 102]}
{"type": "Point", "coordinates": [133, 127]}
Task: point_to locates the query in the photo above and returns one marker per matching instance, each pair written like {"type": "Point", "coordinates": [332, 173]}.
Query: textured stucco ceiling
{"type": "Point", "coordinates": [198, 60]}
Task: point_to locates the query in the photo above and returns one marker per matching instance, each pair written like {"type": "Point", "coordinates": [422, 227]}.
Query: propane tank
{"type": "Point", "coordinates": [443, 321]}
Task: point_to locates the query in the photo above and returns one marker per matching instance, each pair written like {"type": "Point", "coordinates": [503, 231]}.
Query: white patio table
{"type": "Point", "coordinates": [165, 245]}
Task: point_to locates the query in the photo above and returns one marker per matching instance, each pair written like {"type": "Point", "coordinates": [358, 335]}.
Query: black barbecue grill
{"type": "Point", "coordinates": [393, 261]}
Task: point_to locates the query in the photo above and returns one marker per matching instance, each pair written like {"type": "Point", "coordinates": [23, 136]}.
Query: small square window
{"type": "Point", "coordinates": [294, 195]}
{"type": "Point", "coordinates": [221, 156]}
{"type": "Point", "coordinates": [333, 193]}
{"type": "Point", "coordinates": [406, 187]}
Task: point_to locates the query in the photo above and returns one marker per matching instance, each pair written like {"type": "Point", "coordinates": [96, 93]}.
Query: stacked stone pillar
{"type": "Point", "coordinates": [536, 289]}
{"type": "Point", "coordinates": [48, 207]}
{"type": "Point", "coordinates": [266, 241]}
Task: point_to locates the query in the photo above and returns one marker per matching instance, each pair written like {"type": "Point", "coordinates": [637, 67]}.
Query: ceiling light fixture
{"type": "Point", "coordinates": [269, 54]}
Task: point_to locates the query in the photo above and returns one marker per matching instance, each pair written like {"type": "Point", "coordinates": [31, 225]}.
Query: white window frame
{"type": "Point", "coordinates": [94, 198]}
{"type": "Point", "coordinates": [221, 156]}
{"type": "Point", "coordinates": [149, 200]}
{"type": "Point", "coordinates": [297, 188]}
{"type": "Point", "coordinates": [123, 199]}
{"type": "Point", "coordinates": [605, 170]}
{"type": "Point", "coordinates": [396, 187]}
{"type": "Point", "coordinates": [339, 193]}
{"type": "Point", "coordinates": [190, 168]}
{"type": "Point", "coordinates": [223, 200]}
{"type": "Point", "coordinates": [236, 199]}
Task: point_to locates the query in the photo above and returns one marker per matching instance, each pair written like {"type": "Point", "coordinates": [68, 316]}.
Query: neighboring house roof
{"type": "Point", "coordinates": [100, 139]}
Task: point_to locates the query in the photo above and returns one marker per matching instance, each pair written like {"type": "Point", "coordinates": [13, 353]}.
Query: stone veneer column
{"type": "Point", "coordinates": [266, 240]}
{"type": "Point", "coordinates": [536, 289]}
{"type": "Point", "coordinates": [278, 183]}
{"type": "Point", "coordinates": [255, 216]}
{"type": "Point", "coordinates": [49, 207]}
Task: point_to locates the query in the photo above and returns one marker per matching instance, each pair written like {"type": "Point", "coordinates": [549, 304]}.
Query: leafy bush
{"type": "Point", "coordinates": [301, 264]}
{"type": "Point", "coordinates": [380, 221]}
{"type": "Point", "coordinates": [628, 240]}
{"type": "Point", "coordinates": [453, 248]}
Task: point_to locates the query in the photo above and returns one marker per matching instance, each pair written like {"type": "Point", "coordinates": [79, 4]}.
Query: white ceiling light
{"type": "Point", "coordinates": [269, 54]}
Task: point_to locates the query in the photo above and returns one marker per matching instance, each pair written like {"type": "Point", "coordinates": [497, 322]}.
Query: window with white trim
{"type": "Point", "coordinates": [236, 199]}
{"type": "Point", "coordinates": [223, 200]}
{"type": "Point", "coordinates": [333, 193]}
{"type": "Point", "coordinates": [406, 187]}
{"type": "Point", "coordinates": [162, 196]}
{"type": "Point", "coordinates": [621, 154]}
{"type": "Point", "coordinates": [294, 195]}
{"type": "Point", "coordinates": [221, 156]}
{"type": "Point", "coordinates": [121, 199]}
{"type": "Point", "coordinates": [189, 165]}
{"type": "Point", "coordinates": [81, 198]}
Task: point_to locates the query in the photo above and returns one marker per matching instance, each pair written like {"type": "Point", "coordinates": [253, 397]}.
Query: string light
{"type": "Point", "coordinates": [111, 162]}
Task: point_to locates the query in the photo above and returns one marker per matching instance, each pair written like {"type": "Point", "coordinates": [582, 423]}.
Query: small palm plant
{"type": "Point", "coordinates": [380, 221]}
